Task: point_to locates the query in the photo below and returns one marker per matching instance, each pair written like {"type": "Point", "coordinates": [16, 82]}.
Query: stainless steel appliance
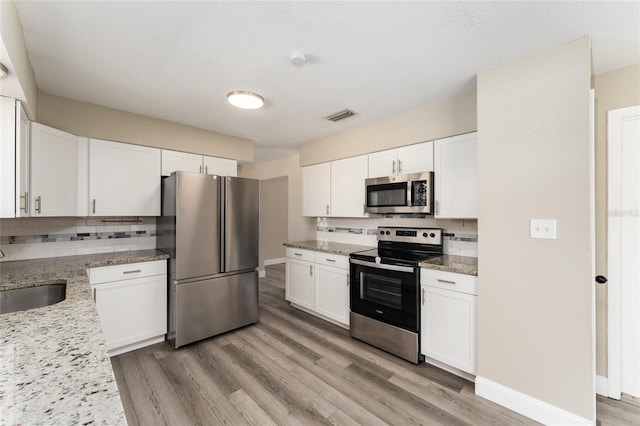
{"type": "Point", "coordinates": [209, 226]}
{"type": "Point", "coordinates": [411, 193]}
{"type": "Point", "coordinates": [385, 289]}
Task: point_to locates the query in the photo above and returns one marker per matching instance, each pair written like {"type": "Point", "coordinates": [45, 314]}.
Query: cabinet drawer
{"type": "Point", "coordinates": [449, 281]}
{"type": "Point", "coordinates": [330, 259]}
{"type": "Point", "coordinates": [300, 254]}
{"type": "Point", "coordinates": [104, 274]}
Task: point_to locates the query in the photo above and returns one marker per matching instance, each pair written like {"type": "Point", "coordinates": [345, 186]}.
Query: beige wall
{"type": "Point", "coordinates": [448, 118]}
{"type": "Point", "coordinates": [535, 296]}
{"type": "Point", "coordinates": [91, 120]}
{"type": "Point", "coordinates": [274, 215]}
{"type": "Point", "coordinates": [614, 89]}
{"type": "Point", "coordinates": [12, 36]}
{"type": "Point", "coordinates": [299, 228]}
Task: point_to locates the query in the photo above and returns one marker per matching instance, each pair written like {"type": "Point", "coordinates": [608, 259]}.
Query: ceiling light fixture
{"type": "Point", "coordinates": [244, 99]}
{"type": "Point", "coordinates": [4, 72]}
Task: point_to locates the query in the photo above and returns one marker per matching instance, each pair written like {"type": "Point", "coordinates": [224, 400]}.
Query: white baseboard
{"type": "Point", "coordinates": [526, 405]}
{"type": "Point", "coordinates": [602, 386]}
{"type": "Point", "coordinates": [274, 261]}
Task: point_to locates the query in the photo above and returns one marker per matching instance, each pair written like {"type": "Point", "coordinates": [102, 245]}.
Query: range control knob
{"type": "Point", "coordinates": [381, 232]}
{"type": "Point", "coordinates": [424, 234]}
{"type": "Point", "coordinates": [388, 233]}
{"type": "Point", "coordinates": [432, 235]}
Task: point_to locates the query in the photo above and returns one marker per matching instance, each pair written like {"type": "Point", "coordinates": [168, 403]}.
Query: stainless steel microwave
{"type": "Point", "coordinates": [400, 194]}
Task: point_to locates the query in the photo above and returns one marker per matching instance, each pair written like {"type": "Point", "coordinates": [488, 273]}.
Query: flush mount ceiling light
{"type": "Point", "coordinates": [3, 71]}
{"type": "Point", "coordinates": [244, 99]}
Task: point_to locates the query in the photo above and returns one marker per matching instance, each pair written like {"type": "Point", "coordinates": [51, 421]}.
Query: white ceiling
{"type": "Point", "coordinates": [178, 60]}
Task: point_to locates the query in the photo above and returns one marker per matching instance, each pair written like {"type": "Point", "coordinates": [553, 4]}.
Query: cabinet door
{"type": "Point", "coordinates": [299, 284]}
{"type": "Point", "coordinates": [220, 166]}
{"type": "Point", "coordinates": [316, 190]}
{"type": "Point", "coordinates": [124, 179]}
{"type": "Point", "coordinates": [332, 293]}
{"type": "Point", "coordinates": [54, 156]}
{"type": "Point", "coordinates": [449, 327]}
{"type": "Point", "coordinates": [347, 187]}
{"type": "Point", "coordinates": [173, 161]}
{"type": "Point", "coordinates": [23, 208]}
{"type": "Point", "coordinates": [132, 310]}
{"type": "Point", "coordinates": [416, 158]}
{"type": "Point", "coordinates": [456, 177]}
{"type": "Point", "coordinates": [383, 163]}
{"type": "Point", "coordinates": [7, 157]}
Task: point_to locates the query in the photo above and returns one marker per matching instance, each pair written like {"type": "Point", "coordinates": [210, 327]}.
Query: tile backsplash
{"type": "Point", "coordinates": [463, 242]}
{"type": "Point", "coordinates": [33, 238]}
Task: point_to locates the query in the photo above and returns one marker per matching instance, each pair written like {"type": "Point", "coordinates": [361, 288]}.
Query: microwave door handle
{"type": "Point", "coordinates": [409, 194]}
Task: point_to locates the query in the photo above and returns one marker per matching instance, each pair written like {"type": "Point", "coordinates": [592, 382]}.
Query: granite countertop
{"type": "Point", "coordinates": [328, 247]}
{"type": "Point", "coordinates": [54, 367]}
{"type": "Point", "coordinates": [458, 264]}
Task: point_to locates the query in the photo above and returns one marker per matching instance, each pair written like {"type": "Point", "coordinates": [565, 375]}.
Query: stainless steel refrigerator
{"type": "Point", "coordinates": [209, 226]}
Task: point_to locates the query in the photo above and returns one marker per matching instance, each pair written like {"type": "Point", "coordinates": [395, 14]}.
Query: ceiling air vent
{"type": "Point", "coordinates": [340, 115]}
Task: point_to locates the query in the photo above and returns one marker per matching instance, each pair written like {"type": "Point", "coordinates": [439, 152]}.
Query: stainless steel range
{"type": "Point", "coordinates": [385, 289]}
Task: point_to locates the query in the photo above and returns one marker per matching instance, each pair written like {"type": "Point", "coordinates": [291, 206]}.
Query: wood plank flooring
{"type": "Point", "coordinates": [295, 369]}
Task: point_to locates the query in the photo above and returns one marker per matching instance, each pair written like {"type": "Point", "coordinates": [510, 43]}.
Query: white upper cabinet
{"type": "Point", "coordinates": [14, 159]}
{"type": "Point", "coordinates": [316, 190]}
{"type": "Point", "coordinates": [405, 160]}
{"type": "Point", "coordinates": [173, 161]}
{"type": "Point", "coordinates": [335, 189]}
{"type": "Point", "coordinates": [53, 172]}
{"type": "Point", "coordinates": [456, 177]}
{"type": "Point", "coordinates": [124, 179]}
{"type": "Point", "coordinates": [347, 186]}
{"type": "Point", "coordinates": [220, 166]}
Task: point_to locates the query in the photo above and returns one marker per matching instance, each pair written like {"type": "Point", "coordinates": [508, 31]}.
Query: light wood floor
{"type": "Point", "coordinates": [292, 368]}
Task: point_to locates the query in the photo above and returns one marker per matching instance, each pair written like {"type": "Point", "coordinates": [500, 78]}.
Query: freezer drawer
{"type": "Point", "coordinates": [202, 309]}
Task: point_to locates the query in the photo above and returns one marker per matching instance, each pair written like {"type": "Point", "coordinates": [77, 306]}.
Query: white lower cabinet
{"type": "Point", "coordinates": [132, 304]}
{"type": "Point", "coordinates": [319, 283]}
{"type": "Point", "coordinates": [448, 319]}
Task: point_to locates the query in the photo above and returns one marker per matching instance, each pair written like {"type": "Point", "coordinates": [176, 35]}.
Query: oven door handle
{"type": "Point", "coordinates": [382, 266]}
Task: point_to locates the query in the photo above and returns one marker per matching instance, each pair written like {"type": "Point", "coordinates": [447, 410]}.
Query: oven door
{"type": "Point", "coordinates": [387, 293]}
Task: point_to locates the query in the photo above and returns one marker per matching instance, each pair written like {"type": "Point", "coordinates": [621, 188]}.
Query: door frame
{"type": "Point", "coordinates": [614, 263]}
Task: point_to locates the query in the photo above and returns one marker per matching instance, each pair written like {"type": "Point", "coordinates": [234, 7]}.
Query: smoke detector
{"type": "Point", "coordinates": [298, 59]}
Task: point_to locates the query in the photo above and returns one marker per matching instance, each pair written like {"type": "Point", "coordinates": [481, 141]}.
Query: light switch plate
{"type": "Point", "coordinates": [543, 228]}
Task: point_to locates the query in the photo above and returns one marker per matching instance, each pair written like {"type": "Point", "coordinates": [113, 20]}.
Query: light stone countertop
{"type": "Point", "coordinates": [54, 367]}
{"type": "Point", "coordinates": [458, 264]}
{"type": "Point", "coordinates": [328, 247]}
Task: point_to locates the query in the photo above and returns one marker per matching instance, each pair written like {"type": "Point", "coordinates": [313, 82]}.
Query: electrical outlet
{"type": "Point", "coordinates": [543, 228]}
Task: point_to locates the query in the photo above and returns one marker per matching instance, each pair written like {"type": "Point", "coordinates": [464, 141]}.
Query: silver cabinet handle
{"type": "Point", "coordinates": [310, 270]}
{"type": "Point", "coordinates": [26, 203]}
{"type": "Point", "coordinates": [201, 168]}
{"type": "Point", "coordinates": [331, 260]}
{"type": "Point", "coordinates": [393, 167]}
{"type": "Point", "coordinates": [206, 170]}
{"type": "Point", "coordinates": [423, 291]}
{"type": "Point", "coordinates": [297, 254]}
{"type": "Point", "coordinates": [399, 166]}
{"type": "Point", "coordinates": [348, 279]}
{"type": "Point", "coordinates": [94, 206]}
{"type": "Point", "coordinates": [446, 281]}
{"type": "Point", "coordinates": [327, 209]}
{"type": "Point", "coordinates": [132, 272]}
{"type": "Point", "coordinates": [39, 204]}
{"type": "Point", "coordinates": [94, 294]}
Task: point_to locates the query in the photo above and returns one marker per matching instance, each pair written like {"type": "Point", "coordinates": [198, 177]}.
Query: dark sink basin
{"type": "Point", "coordinates": [23, 299]}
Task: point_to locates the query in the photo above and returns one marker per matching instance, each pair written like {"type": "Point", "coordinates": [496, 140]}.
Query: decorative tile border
{"type": "Point", "coordinates": [80, 236]}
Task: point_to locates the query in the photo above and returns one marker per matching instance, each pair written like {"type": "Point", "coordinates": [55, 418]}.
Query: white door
{"type": "Point", "coordinates": [174, 161]}
{"type": "Point", "coordinates": [624, 252]}
{"type": "Point", "coordinates": [416, 158]}
{"type": "Point", "coordinates": [383, 163]}
{"type": "Point", "coordinates": [300, 283]}
{"type": "Point", "coordinates": [220, 166]}
{"type": "Point", "coordinates": [332, 293]}
{"type": "Point", "coordinates": [455, 163]}
{"type": "Point", "coordinates": [316, 190]}
{"type": "Point", "coordinates": [347, 186]}
{"type": "Point", "coordinates": [54, 156]}
{"type": "Point", "coordinates": [124, 179]}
